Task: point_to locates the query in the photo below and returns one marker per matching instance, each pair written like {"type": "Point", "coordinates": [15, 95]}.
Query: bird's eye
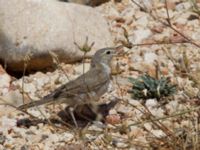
{"type": "Point", "coordinates": [108, 52]}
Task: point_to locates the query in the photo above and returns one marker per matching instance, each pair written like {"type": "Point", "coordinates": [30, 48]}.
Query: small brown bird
{"type": "Point", "coordinates": [87, 88]}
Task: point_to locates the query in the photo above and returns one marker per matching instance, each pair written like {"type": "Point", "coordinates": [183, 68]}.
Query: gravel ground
{"type": "Point", "coordinates": [169, 123]}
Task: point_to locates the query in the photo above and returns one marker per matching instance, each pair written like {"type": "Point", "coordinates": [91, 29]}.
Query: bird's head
{"type": "Point", "coordinates": [103, 56]}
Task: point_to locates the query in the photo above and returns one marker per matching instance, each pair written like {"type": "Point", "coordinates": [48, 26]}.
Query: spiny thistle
{"type": "Point", "coordinates": [145, 87]}
{"type": "Point", "coordinates": [85, 47]}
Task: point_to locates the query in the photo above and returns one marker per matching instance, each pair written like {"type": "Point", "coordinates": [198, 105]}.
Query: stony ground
{"type": "Point", "coordinates": [168, 123]}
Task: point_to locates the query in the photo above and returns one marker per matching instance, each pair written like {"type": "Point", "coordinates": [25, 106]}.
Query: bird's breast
{"type": "Point", "coordinates": [106, 68]}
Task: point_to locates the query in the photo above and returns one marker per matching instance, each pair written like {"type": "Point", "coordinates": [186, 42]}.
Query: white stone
{"type": "Point", "coordinates": [67, 137]}
{"type": "Point", "coordinates": [36, 28]}
{"type": "Point", "coordinates": [29, 88]}
{"type": "Point", "coordinates": [53, 138]}
{"type": "Point", "coordinates": [4, 80]}
{"type": "Point", "coordinates": [140, 35]}
{"type": "Point", "coordinates": [95, 128]}
{"type": "Point", "coordinates": [183, 6]}
{"type": "Point", "coordinates": [148, 126]}
{"type": "Point", "coordinates": [150, 57]}
{"type": "Point", "coordinates": [158, 133]}
{"type": "Point", "coordinates": [172, 106]}
{"type": "Point", "coordinates": [142, 21]}
{"type": "Point", "coordinates": [181, 20]}
{"type": "Point", "coordinates": [7, 123]}
{"type": "Point", "coordinates": [151, 103]}
{"type": "Point", "coordinates": [79, 69]}
{"type": "Point", "coordinates": [13, 97]}
{"type": "Point", "coordinates": [158, 112]}
{"type": "Point", "coordinates": [124, 109]}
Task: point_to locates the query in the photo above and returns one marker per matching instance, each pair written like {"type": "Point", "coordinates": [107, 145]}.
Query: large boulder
{"type": "Point", "coordinates": [35, 27]}
{"type": "Point", "coordinates": [87, 2]}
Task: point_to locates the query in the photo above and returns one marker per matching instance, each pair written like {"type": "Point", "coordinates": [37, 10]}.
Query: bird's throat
{"type": "Point", "coordinates": [105, 68]}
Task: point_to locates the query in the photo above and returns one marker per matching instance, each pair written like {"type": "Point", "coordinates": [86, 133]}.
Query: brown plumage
{"type": "Point", "coordinates": [85, 89]}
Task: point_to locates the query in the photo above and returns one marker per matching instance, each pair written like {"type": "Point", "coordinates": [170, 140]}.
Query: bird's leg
{"type": "Point", "coordinates": [94, 107]}
{"type": "Point", "coordinates": [71, 111]}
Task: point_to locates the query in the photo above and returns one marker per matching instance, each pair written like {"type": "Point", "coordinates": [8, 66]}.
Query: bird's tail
{"type": "Point", "coordinates": [34, 103]}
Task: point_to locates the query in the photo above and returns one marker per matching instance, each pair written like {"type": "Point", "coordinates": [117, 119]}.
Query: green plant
{"type": "Point", "coordinates": [145, 87]}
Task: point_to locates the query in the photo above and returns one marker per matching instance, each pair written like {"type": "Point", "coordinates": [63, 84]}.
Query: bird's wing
{"type": "Point", "coordinates": [90, 81]}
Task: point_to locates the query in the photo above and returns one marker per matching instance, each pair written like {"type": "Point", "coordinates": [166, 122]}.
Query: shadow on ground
{"type": "Point", "coordinates": [84, 115]}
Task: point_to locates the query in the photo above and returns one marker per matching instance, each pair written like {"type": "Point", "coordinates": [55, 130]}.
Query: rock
{"type": "Point", "coordinates": [142, 22]}
{"type": "Point", "coordinates": [150, 58]}
{"type": "Point", "coordinates": [41, 80]}
{"type": "Point", "coordinates": [151, 103]}
{"type": "Point", "coordinates": [172, 107]}
{"type": "Point", "coordinates": [79, 69]}
{"type": "Point", "coordinates": [2, 139]}
{"type": "Point", "coordinates": [71, 147]}
{"type": "Point", "coordinates": [144, 67]}
{"type": "Point", "coordinates": [122, 81]}
{"type": "Point", "coordinates": [13, 97]}
{"type": "Point", "coordinates": [183, 6]}
{"type": "Point", "coordinates": [148, 126]}
{"type": "Point", "coordinates": [87, 2]}
{"type": "Point", "coordinates": [140, 35]}
{"type": "Point", "coordinates": [97, 126]}
{"type": "Point", "coordinates": [35, 28]}
{"type": "Point", "coordinates": [123, 109]}
{"type": "Point", "coordinates": [157, 112]}
{"type": "Point", "coordinates": [5, 80]}
{"type": "Point", "coordinates": [6, 111]}
{"type": "Point", "coordinates": [113, 119]}
{"type": "Point", "coordinates": [136, 132]}
{"type": "Point", "coordinates": [158, 133]}
{"type": "Point", "coordinates": [171, 4]}
{"type": "Point", "coordinates": [29, 88]}
{"type": "Point", "coordinates": [7, 123]}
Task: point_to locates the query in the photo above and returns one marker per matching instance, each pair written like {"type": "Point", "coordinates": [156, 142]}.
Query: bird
{"type": "Point", "coordinates": [85, 89]}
